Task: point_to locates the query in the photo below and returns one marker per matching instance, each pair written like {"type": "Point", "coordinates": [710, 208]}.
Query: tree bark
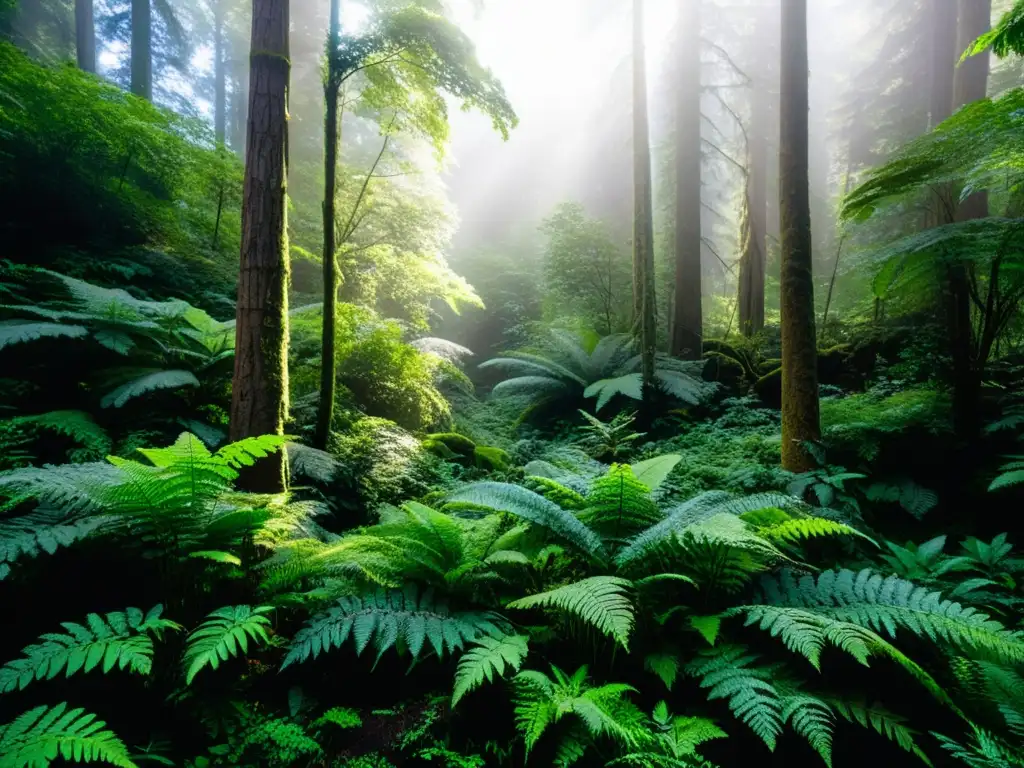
{"type": "Point", "coordinates": [755, 237]}
{"type": "Point", "coordinates": [800, 410]}
{"type": "Point", "coordinates": [260, 386]}
{"type": "Point", "coordinates": [85, 35]}
{"type": "Point", "coordinates": [688, 325]}
{"type": "Point", "coordinates": [220, 106]}
{"type": "Point", "coordinates": [328, 362]}
{"type": "Point", "coordinates": [970, 84]}
{"type": "Point", "coordinates": [644, 307]}
{"type": "Point", "coordinates": [142, 49]}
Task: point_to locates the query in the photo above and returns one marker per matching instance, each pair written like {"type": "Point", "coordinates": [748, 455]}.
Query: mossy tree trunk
{"type": "Point", "coordinates": [328, 361]}
{"type": "Point", "coordinates": [85, 35]}
{"type": "Point", "coordinates": [142, 49]}
{"type": "Point", "coordinates": [260, 386]}
{"type": "Point", "coordinates": [800, 411]}
{"type": "Point", "coordinates": [688, 324]}
{"type": "Point", "coordinates": [644, 307]}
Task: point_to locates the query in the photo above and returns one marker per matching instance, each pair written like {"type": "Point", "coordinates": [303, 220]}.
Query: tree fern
{"type": "Point", "coordinates": [489, 658]}
{"type": "Point", "coordinates": [44, 734]}
{"type": "Point", "coordinates": [391, 616]}
{"type": "Point", "coordinates": [729, 672]}
{"type": "Point", "coordinates": [599, 601]}
{"type": "Point", "coordinates": [119, 639]}
{"type": "Point", "coordinates": [629, 385]}
{"type": "Point", "coordinates": [886, 604]}
{"type": "Point", "coordinates": [224, 634]}
{"type": "Point", "coordinates": [147, 381]}
{"type": "Point", "coordinates": [534, 508]}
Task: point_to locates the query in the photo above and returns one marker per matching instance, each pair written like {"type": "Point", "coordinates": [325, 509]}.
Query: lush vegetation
{"type": "Point", "coordinates": [570, 548]}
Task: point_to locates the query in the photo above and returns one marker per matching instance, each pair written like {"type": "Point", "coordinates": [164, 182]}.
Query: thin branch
{"type": "Point", "coordinates": [707, 243]}
{"type": "Point", "coordinates": [348, 230]}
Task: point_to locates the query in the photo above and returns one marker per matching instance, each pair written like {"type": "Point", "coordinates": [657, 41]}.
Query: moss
{"type": "Point", "coordinates": [456, 443]}
{"type": "Point", "coordinates": [833, 364]}
{"type": "Point", "coordinates": [769, 388]}
{"type": "Point", "coordinates": [767, 366]}
{"type": "Point", "coordinates": [722, 368]}
{"type": "Point", "coordinates": [494, 459]}
{"type": "Point", "coordinates": [765, 518]}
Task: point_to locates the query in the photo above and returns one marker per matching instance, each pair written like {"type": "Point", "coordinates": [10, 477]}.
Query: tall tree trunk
{"type": "Point", "coordinates": [688, 327]}
{"type": "Point", "coordinates": [142, 49]}
{"type": "Point", "coordinates": [755, 235]}
{"type": "Point", "coordinates": [328, 361]}
{"type": "Point", "coordinates": [85, 35]}
{"type": "Point", "coordinates": [260, 387]}
{"type": "Point", "coordinates": [220, 106]}
{"type": "Point", "coordinates": [800, 414]}
{"type": "Point", "coordinates": [644, 307]}
{"type": "Point", "coordinates": [970, 84]}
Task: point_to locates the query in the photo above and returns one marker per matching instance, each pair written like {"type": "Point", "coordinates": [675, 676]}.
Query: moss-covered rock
{"type": "Point", "coordinates": [456, 444]}
{"type": "Point", "coordinates": [834, 364]}
{"type": "Point", "coordinates": [767, 366]}
{"type": "Point", "coordinates": [769, 388]}
{"type": "Point", "coordinates": [722, 368]}
{"type": "Point", "coordinates": [490, 458]}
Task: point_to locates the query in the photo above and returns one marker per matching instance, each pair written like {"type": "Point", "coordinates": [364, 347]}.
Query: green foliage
{"type": "Point", "coordinates": [224, 634]}
{"type": "Point", "coordinates": [567, 369]}
{"type": "Point", "coordinates": [541, 701]}
{"type": "Point", "coordinates": [600, 601]}
{"type": "Point", "coordinates": [611, 440]}
{"type": "Point", "coordinates": [882, 721]}
{"type": "Point", "coordinates": [405, 617]}
{"type": "Point", "coordinates": [1010, 474]}
{"type": "Point", "coordinates": [618, 505]}
{"type": "Point", "coordinates": [487, 660]}
{"type": "Point", "coordinates": [888, 604]}
{"type": "Point", "coordinates": [44, 734]}
{"type": "Point", "coordinates": [1004, 38]}
{"type": "Point", "coordinates": [982, 751]}
{"type": "Point", "coordinates": [119, 639]}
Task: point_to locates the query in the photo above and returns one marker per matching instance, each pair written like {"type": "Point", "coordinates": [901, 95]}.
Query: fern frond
{"type": "Point", "coordinates": [812, 719]}
{"type": "Point", "coordinates": [682, 386]}
{"type": "Point", "coordinates": [604, 390]}
{"type": "Point", "coordinates": [15, 332]}
{"type": "Point", "coordinates": [554, 491]}
{"type": "Point", "coordinates": [390, 616]}
{"type": "Point", "coordinates": [984, 750]}
{"type": "Point", "coordinates": [533, 695]}
{"type": "Point", "coordinates": [678, 519]}
{"type": "Point", "coordinates": [600, 601]}
{"type": "Point", "coordinates": [805, 528]}
{"type": "Point", "coordinates": [728, 672]}
{"type": "Point", "coordinates": [881, 721]}
{"type": "Point", "coordinates": [619, 505]}
{"type": "Point", "coordinates": [665, 666]}
{"type": "Point", "coordinates": [886, 604]}
{"type": "Point", "coordinates": [44, 734]}
{"type": "Point", "coordinates": [488, 659]}
{"type": "Point", "coordinates": [77, 425]}
{"type": "Point", "coordinates": [224, 634]}
{"type": "Point", "coordinates": [149, 381]}
{"type": "Point", "coordinates": [43, 530]}
{"type": "Point", "coordinates": [246, 452]}
{"type": "Point", "coordinates": [534, 508]}
{"type": "Point", "coordinates": [118, 639]}
{"type": "Point", "coordinates": [654, 472]}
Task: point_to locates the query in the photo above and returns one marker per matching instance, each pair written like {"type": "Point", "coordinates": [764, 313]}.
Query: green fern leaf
{"type": "Point", "coordinates": [223, 635]}
{"type": "Point", "coordinates": [150, 381]}
{"type": "Point", "coordinates": [665, 665]}
{"type": "Point", "coordinates": [18, 332]}
{"type": "Point", "coordinates": [812, 719]}
{"type": "Point", "coordinates": [43, 530]}
{"type": "Point", "coordinates": [799, 529]}
{"type": "Point", "coordinates": [533, 508]}
{"type": "Point", "coordinates": [654, 472]}
{"type": "Point", "coordinates": [604, 390]}
{"type": "Point", "coordinates": [119, 639]}
{"type": "Point", "coordinates": [42, 735]}
{"type": "Point", "coordinates": [488, 659]}
{"type": "Point", "coordinates": [390, 616]}
{"type": "Point", "coordinates": [728, 672]}
{"type": "Point", "coordinates": [600, 601]}
{"type": "Point", "coordinates": [619, 505]}
{"type": "Point", "coordinates": [882, 722]}
{"type": "Point", "coordinates": [886, 604]}
{"type": "Point", "coordinates": [77, 425]}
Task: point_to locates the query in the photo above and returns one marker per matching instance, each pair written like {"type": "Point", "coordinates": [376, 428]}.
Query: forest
{"type": "Point", "coordinates": [470, 383]}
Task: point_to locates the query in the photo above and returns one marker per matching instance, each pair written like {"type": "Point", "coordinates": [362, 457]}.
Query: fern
{"type": "Point", "coordinates": [43, 530]}
{"type": "Point", "coordinates": [983, 750]}
{"type": "Point", "coordinates": [812, 719]}
{"type": "Point", "coordinates": [886, 604]}
{"type": "Point", "coordinates": [15, 332]}
{"type": "Point", "coordinates": [1004, 38]}
{"type": "Point", "coordinates": [1011, 474]}
{"type": "Point", "coordinates": [44, 734]}
{"type": "Point", "coordinates": [77, 425]}
{"type": "Point", "coordinates": [728, 673]}
{"type": "Point", "coordinates": [390, 616]}
{"type": "Point", "coordinates": [541, 701]}
{"type": "Point", "coordinates": [534, 508]}
{"type": "Point", "coordinates": [619, 505]}
{"type": "Point", "coordinates": [224, 634]}
{"type": "Point", "coordinates": [799, 529]}
{"type": "Point", "coordinates": [629, 385]}
{"type": "Point", "coordinates": [665, 666]}
{"type": "Point", "coordinates": [882, 722]}
{"type": "Point", "coordinates": [488, 659]}
{"type": "Point", "coordinates": [119, 639]}
{"type": "Point", "coordinates": [599, 601]}
{"type": "Point", "coordinates": [148, 381]}
{"type": "Point", "coordinates": [554, 491]}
